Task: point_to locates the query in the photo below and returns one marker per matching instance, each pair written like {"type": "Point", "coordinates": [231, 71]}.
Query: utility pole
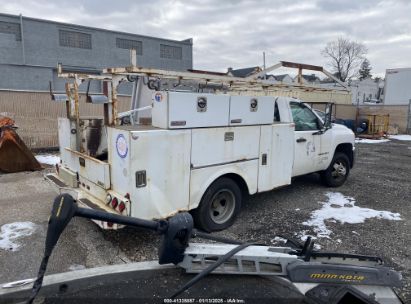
{"type": "Point", "coordinates": [265, 76]}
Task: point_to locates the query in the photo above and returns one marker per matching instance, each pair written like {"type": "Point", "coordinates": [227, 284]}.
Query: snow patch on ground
{"type": "Point", "coordinates": [278, 239]}
{"type": "Point", "coordinates": [371, 141]}
{"type": "Point", "coordinates": [12, 232]}
{"type": "Point", "coordinates": [302, 235]}
{"type": "Point", "coordinates": [342, 209]}
{"type": "Point", "coordinates": [48, 159]}
{"type": "Point", "coordinates": [401, 137]}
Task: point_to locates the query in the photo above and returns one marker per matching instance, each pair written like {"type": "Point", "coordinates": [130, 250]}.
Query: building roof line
{"type": "Point", "coordinates": [72, 67]}
{"type": "Point", "coordinates": [188, 41]}
{"type": "Point", "coordinates": [397, 69]}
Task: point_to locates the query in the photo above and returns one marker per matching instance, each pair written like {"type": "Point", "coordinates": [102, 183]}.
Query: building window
{"type": "Point", "coordinates": [171, 52]}
{"type": "Point", "coordinates": [75, 39]}
{"type": "Point", "coordinates": [11, 28]}
{"type": "Point", "coordinates": [130, 44]}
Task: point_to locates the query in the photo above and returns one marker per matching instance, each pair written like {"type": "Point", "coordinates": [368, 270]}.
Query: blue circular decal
{"type": "Point", "coordinates": [158, 97]}
{"type": "Point", "coordinates": [121, 146]}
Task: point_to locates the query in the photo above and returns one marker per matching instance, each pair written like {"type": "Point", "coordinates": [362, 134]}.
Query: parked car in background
{"type": "Point", "coordinates": [373, 101]}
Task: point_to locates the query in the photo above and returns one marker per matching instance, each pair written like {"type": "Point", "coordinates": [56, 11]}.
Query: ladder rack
{"type": "Point", "coordinates": [254, 82]}
{"type": "Point", "coordinates": [214, 82]}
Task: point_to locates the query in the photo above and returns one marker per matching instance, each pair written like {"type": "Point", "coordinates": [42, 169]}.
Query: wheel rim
{"type": "Point", "coordinates": [339, 170]}
{"type": "Point", "coordinates": [222, 206]}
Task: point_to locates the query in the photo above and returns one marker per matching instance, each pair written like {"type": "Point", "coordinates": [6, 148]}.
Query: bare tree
{"type": "Point", "coordinates": [345, 56]}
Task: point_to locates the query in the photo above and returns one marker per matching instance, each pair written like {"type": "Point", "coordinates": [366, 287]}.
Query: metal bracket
{"type": "Point", "coordinates": [59, 97]}
{"type": "Point", "coordinates": [95, 98]}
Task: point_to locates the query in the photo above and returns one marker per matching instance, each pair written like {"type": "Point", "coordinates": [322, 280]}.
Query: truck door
{"type": "Point", "coordinates": [307, 145]}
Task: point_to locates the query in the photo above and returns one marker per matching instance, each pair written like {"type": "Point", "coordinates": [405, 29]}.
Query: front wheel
{"type": "Point", "coordinates": [219, 206]}
{"type": "Point", "coordinates": [337, 173]}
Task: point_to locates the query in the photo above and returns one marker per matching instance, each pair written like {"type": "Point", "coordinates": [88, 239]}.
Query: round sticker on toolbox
{"type": "Point", "coordinates": [158, 97]}
{"type": "Point", "coordinates": [121, 146]}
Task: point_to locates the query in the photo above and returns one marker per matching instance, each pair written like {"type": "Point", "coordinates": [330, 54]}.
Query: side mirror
{"type": "Point", "coordinates": [328, 116]}
{"type": "Point", "coordinates": [95, 98]}
{"type": "Point", "coordinates": [60, 97]}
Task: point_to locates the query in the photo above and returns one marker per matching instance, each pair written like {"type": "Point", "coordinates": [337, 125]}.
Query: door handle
{"type": "Point", "coordinates": [301, 139]}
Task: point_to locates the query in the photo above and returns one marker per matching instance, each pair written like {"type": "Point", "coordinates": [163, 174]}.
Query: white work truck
{"type": "Point", "coordinates": [202, 152]}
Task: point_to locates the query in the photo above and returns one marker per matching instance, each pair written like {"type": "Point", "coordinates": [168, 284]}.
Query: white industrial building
{"type": "Point", "coordinates": [397, 90]}
{"type": "Point", "coordinates": [363, 91]}
{"type": "Point", "coordinates": [367, 90]}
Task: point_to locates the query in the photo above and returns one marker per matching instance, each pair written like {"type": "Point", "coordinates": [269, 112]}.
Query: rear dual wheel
{"type": "Point", "coordinates": [219, 206]}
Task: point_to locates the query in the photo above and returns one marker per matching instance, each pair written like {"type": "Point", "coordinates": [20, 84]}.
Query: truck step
{"type": "Point", "coordinates": [56, 180]}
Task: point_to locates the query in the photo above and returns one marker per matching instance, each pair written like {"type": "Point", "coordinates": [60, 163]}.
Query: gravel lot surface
{"type": "Point", "coordinates": [380, 180]}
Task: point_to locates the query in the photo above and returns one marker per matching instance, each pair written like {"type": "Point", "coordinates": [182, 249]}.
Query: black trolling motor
{"type": "Point", "coordinates": [176, 232]}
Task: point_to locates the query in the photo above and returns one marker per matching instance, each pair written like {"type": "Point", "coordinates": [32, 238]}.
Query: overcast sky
{"type": "Point", "coordinates": [236, 32]}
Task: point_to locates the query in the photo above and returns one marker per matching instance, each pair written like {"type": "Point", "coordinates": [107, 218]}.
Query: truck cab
{"type": "Point", "coordinates": [317, 146]}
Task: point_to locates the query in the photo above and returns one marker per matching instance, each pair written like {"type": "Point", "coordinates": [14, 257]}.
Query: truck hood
{"type": "Point", "coordinates": [340, 127]}
{"type": "Point", "coordinates": [341, 130]}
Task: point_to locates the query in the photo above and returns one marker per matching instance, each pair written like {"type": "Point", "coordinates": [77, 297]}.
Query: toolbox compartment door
{"type": "Point", "coordinates": [92, 169]}
{"type": "Point", "coordinates": [218, 146]}
{"type": "Point", "coordinates": [176, 110]}
{"type": "Point", "coordinates": [159, 172]}
{"type": "Point", "coordinates": [276, 156]}
{"type": "Point", "coordinates": [251, 110]}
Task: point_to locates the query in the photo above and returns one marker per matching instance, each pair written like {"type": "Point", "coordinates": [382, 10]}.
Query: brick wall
{"type": "Point", "coordinates": [36, 115]}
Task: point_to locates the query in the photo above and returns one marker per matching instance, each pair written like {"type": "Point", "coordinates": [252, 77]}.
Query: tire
{"type": "Point", "coordinates": [219, 207]}
{"type": "Point", "coordinates": [337, 173]}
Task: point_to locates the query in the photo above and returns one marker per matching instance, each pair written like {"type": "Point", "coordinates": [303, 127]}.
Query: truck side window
{"type": "Point", "coordinates": [303, 117]}
{"type": "Point", "coordinates": [276, 113]}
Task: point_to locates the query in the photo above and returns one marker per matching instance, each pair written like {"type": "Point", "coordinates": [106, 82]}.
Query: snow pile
{"type": "Point", "coordinates": [278, 239]}
{"type": "Point", "coordinates": [48, 159]}
{"type": "Point", "coordinates": [340, 208]}
{"type": "Point", "coordinates": [401, 137]}
{"type": "Point", "coordinates": [10, 233]}
{"type": "Point", "coordinates": [302, 235]}
{"type": "Point", "coordinates": [371, 141]}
